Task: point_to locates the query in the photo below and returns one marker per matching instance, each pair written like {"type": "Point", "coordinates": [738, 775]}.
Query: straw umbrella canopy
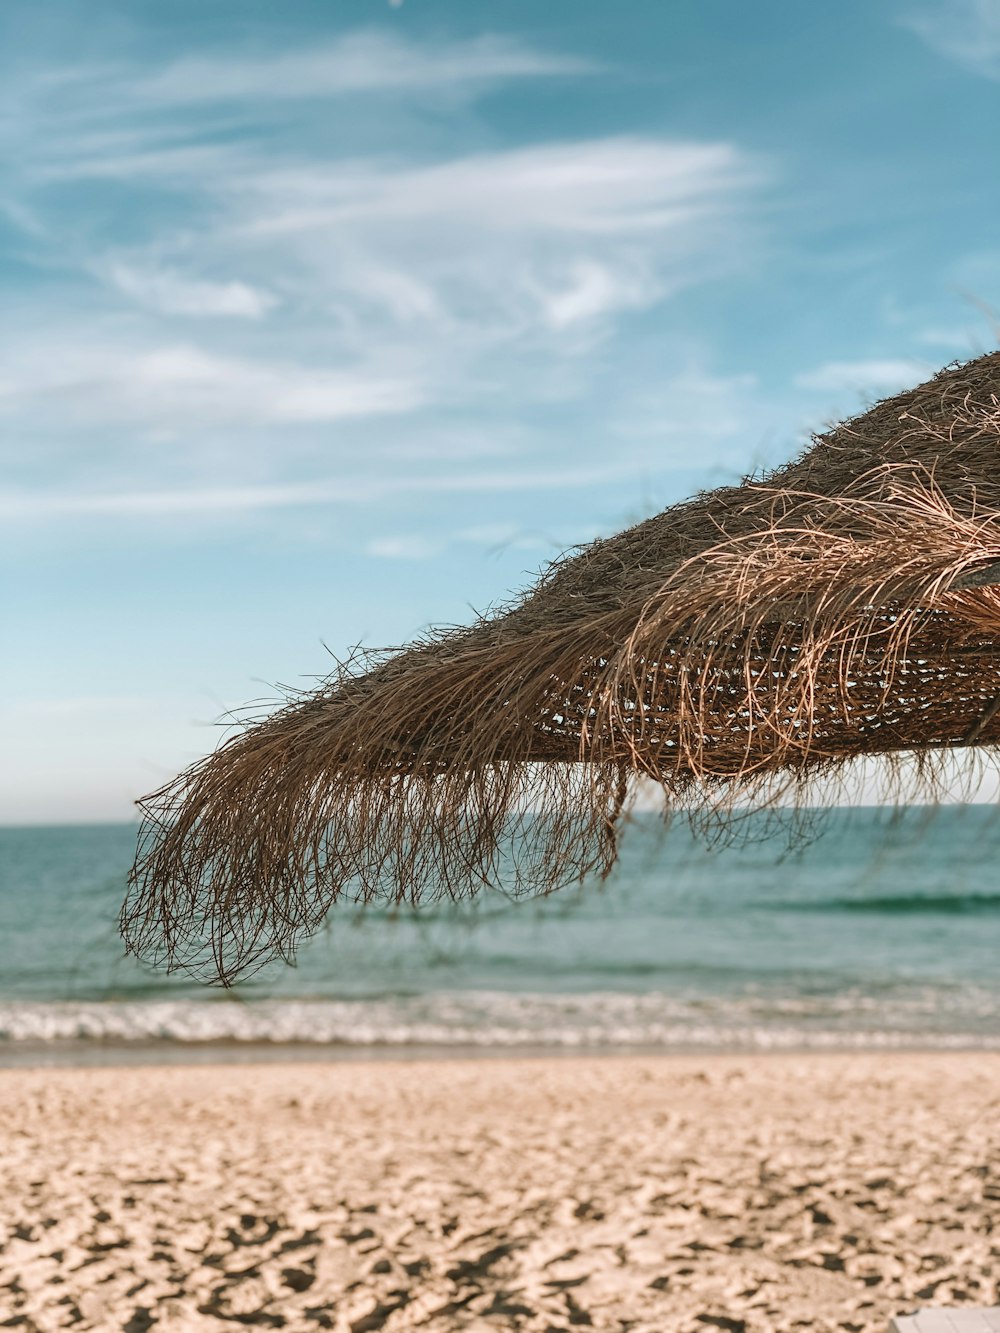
{"type": "Point", "coordinates": [736, 645]}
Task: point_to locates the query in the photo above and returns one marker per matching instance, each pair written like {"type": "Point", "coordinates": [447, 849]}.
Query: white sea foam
{"type": "Point", "coordinates": [593, 1020]}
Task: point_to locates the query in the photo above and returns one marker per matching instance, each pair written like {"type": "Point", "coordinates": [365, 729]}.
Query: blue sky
{"type": "Point", "coordinates": [324, 322]}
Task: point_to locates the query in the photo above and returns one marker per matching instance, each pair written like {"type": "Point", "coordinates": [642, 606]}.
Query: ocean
{"type": "Point", "coordinates": [883, 932]}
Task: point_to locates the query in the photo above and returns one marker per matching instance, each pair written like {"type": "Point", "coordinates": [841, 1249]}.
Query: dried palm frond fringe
{"type": "Point", "coordinates": [731, 648]}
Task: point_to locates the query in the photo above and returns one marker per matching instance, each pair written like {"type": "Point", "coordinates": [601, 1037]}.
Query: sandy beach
{"type": "Point", "coordinates": [674, 1193]}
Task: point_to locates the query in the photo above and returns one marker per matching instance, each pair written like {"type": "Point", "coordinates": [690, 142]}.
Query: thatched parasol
{"type": "Point", "coordinates": [845, 605]}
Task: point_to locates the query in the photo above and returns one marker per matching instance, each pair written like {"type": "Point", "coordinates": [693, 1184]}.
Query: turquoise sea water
{"type": "Point", "coordinates": [880, 933]}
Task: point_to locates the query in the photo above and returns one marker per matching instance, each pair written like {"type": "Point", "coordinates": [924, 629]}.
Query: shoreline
{"type": "Point", "coordinates": [809, 1191]}
{"type": "Point", "coordinates": [110, 1054]}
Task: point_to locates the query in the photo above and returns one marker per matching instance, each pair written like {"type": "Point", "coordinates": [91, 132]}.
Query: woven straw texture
{"type": "Point", "coordinates": [730, 650]}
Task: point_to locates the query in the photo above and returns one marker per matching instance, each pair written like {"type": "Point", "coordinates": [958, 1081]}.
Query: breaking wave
{"type": "Point", "coordinates": [591, 1021]}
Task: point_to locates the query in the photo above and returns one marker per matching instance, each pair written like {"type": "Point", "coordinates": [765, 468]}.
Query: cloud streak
{"type": "Point", "coordinates": [172, 293]}
{"type": "Point", "coordinates": [373, 61]}
{"type": "Point", "coordinates": [182, 384]}
{"type": "Point", "coordinates": [964, 31]}
{"type": "Point", "coordinates": [591, 187]}
{"type": "Point", "coordinates": [369, 489]}
{"type": "Point", "coordinates": [889, 375]}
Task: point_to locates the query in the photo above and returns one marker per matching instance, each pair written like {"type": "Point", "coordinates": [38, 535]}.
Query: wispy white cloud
{"type": "Point", "coordinates": [117, 109]}
{"type": "Point", "coordinates": [382, 289]}
{"type": "Point", "coordinates": [888, 375]}
{"type": "Point", "coordinates": [534, 241]}
{"type": "Point", "coordinates": [595, 187]}
{"type": "Point", "coordinates": [266, 286]}
{"type": "Point", "coordinates": [423, 546]}
{"type": "Point", "coordinates": [364, 489]}
{"type": "Point", "coordinates": [592, 291]}
{"type": "Point", "coordinates": [181, 383]}
{"type": "Point", "coordinates": [129, 119]}
{"type": "Point", "coordinates": [510, 535]}
{"type": "Point", "coordinates": [967, 342]}
{"type": "Point", "coordinates": [403, 546]}
{"type": "Point", "coordinates": [543, 238]}
{"type": "Point", "coordinates": [173, 293]}
{"type": "Point", "coordinates": [965, 31]}
{"type": "Point", "coordinates": [373, 61]}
